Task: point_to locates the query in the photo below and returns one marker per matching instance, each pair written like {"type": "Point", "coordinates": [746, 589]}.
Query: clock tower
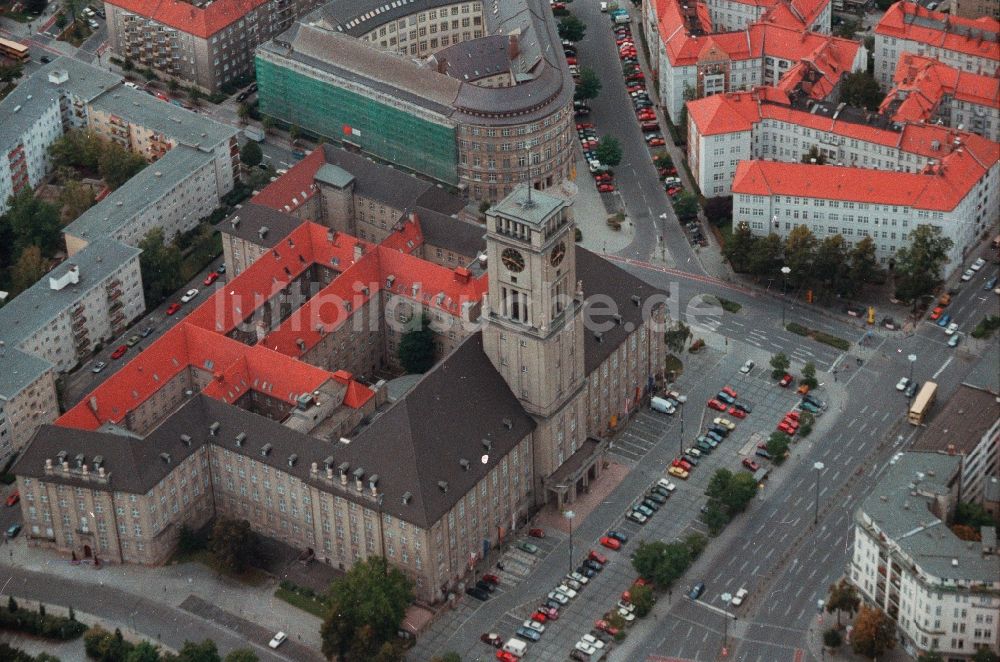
{"type": "Point", "coordinates": [534, 330]}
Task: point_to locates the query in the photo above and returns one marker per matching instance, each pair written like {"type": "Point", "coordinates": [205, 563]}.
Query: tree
{"type": "Point", "coordinates": [864, 267]}
{"type": "Point", "coordinates": [686, 206]}
{"type": "Point", "coordinates": [267, 122]}
{"type": "Point", "coordinates": [416, 349]}
{"type": "Point", "coordinates": [719, 210]}
{"type": "Point", "coordinates": [160, 266]}
{"type": "Point", "coordinates": [984, 654]}
{"type": "Point", "coordinates": [832, 638]}
{"type": "Point", "coordinates": [35, 6]}
{"type": "Point", "coordinates": [830, 267]}
{"type": "Point", "coordinates": [233, 544]}
{"type": "Point", "coordinates": [10, 72]}
{"type": "Point", "coordinates": [777, 446]}
{"type": "Point", "coordinates": [33, 222]}
{"type": "Point", "coordinates": [930, 656]}
{"type": "Point", "coordinates": [809, 375]}
{"type": "Point", "coordinates": [695, 543]}
{"type": "Point", "coordinates": [143, 652]}
{"type": "Point", "coordinates": [766, 255]}
{"type": "Point", "coordinates": [609, 151]}
{"type": "Point", "coordinates": [800, 250]}
{"type": "Point", "coordinates": [205, 651]}
{"type": "Point", "coordinates": [860, 89]}
{"type": "Point", "coordinates": [29, 269]}
{"type": "Point", "coordinates": [814, 156]}
{"type": "Point", "coordinates": [661, 563]}
{"type": "Point", "coordinates": [677, 336]}
{"type": "Point", "coordinates": [195, 95]}
{"type": "Point", "coordinates": [117, 165]}
{"type": "Point", "coordinates": [242, 655]}
{"type": "Point", "coordinates": [77, 149]}
{"type": "Point", "coordinates": [589, 85]}
{"type": "Point", "coordinates": [173, 85]}
{"type": "Point", "coordinates": [61, 20]}
{"type": "Point", "coordinates": [740, 248]}
{"type": "Point", "coordinates": [571, 28]}
{"type": "Point", "coordinates": [843, 597]}
{"type": "Point", "coordinates": [972, 514]}
{"type": "Point", "coordinates": [243, 112]}
{"type": "Point", "coordinates": [779, 365]}
{"type": "Point", "coordinates": [918, 266]}
{"type": "Point", "coordinates": [251, 154]}
{"type": "Point", "coordinates": [647, 557]}
{"type": "Point", "coordinates": [294, 132]}
{"type": "Point", "coordinates": [741, 491]}
{"type": "Point", "coordinates": [450, 656]}
{"type": "Point", "coordinates": [715, 517]}
{"type": "Point", "coordinates": [367, 606]}
{"type": "Point", "coordinates": [12, 605]}
{"type": "Point", "coordinates": [643, 599]}
{"type": "Point", "coordinates": [874, 632]}
{"type": "Point", "coordinates": [75, 198]}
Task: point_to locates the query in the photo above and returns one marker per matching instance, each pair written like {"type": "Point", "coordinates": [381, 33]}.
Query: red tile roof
{"type": "Point", "coordinates": [922, 82]}
{"type": "Point", "coordinates": [938, 188]}
{"type": "Point", "coordinates": [909, 21]}
{"type": "Point", "coordinates": [183, 16]}
{"type": "Point", "coordinates": [295, 187]}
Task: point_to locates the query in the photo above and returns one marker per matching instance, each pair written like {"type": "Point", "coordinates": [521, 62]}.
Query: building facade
{"type": "Point", "coordinates": [942, 592]}
{"type": "Point", "coordinates": [976, 9]}
{"type": "Point", "coordinates": [208, 44]}
{"type": "Point", "coordinates": [969, 45]}
{"type": "Point", "coordinates": [28, 399]}
{"type": "Point", "coordinates": [471, 97]}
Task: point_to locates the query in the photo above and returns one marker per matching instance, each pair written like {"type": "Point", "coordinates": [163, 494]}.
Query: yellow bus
{"type": "Point", "coordinates": [14, 50]}
{"type": "Point", "coordinates": [923, 402]}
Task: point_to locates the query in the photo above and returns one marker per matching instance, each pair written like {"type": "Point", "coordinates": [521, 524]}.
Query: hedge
{"type": "Point", "coordinates": [819, 336]}
{"type": "Point", "coordinates": [40, 624]}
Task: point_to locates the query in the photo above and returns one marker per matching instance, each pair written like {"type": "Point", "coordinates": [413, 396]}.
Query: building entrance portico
{"type": "Point", "coordinates": [575, 475]}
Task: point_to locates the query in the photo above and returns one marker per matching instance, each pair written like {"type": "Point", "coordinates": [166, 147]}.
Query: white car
{"type": "Point", "coordinates": [747, 367]}
{"type": "Point", "coordinates": [978, 264]}
{"type": "Point", "coordinates": [585, 648]}
{"type": "Point", "coordinates": [627, 606]}
{"type": "Point", "coordinates": [951, 329]}
{"type": "Point", "coordinates": [725, 422]}
{"type": "Point", "coordinates": [572, 583]}
{"type": "Point", "coordinates": [604, 7]}
{"type": "Point", "coordinates": [559, 597]}
{"type": "Point", "coordinates": [627, 615]}
{"type": "Point", "coordinates": [277, 640]}
{"type": "Point", "coordinates": [969, 273]}
{"type": "Point", "coordinates": [566, 590]}
{"type": "Point", "coordinates": [534, 625]}
{"type": "Point", "coordinates": [693, 452]}
{"type": "Point", "coordinates": [739, 597]}
{"type": "Point", "coordinates": [190, 294]}
{"type": "Point", "coordinates": [593, 641]}
{"type": "Point", "coordinates": [902, 383]}
{"type": "Point", "coordinates": [636, 517]}
{"type": "Point", "coordinates": [666, 484]}
{"type": "Point", "coordinates": [578, 578]}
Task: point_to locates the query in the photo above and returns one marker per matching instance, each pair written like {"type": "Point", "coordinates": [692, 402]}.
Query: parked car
{"type": "Point", "coordinates": [967, 276]}
{"type": "Point", "coordinates": [528, 547]}
{"type": "Point", "coordinates": [697, 590]}
{"type": "Point", "coordinates": [936, 313]}
{"type": "Point", "coordinates": [536, 533]}
{"type": "Point", "coordinates": [277, 640]}
{"type": "Point", "coordinates": [477, 593]}
{"type": "Point", "coordinates": [13, 530]}
{"type": "Point", "coordinates": [715, 404]}
{"type": "Point", "coordinates": [750, 464]}
{"type": "Point", "coordinates": [737, 412]}
{"type": "Point", "coordinates": [173, 308]}
{"type": "Point", "coordinates": [14, 497]}
{"type": "Point", "coordinates": [189, 295]}
{"type": "Point", "coordinates": [740, 596]}
{"type": "Point", "coordinates": [211, 278]}
{"type": "Point", "coordinates": [133, 340]}
{"type": "Point", "coordinates": [902, 383]}
{"type": "Point", "coordinates": [954, 340]}
{"type": "Point", "coordinates": [636, 517]}
{"type": "Point", "coordinates": [491, 638]}
{"type": "Point", "coordinates": [619, 536]}
{"type": "Point", "coordinates": [558, 597]}
{"type": "Point", "coordinates": [119, 352]}
{"type": "Point", "coordinates": [747, 367]}
{"type": "Point", "coordinates": [725, 422]}
{"type": "Point", "coordinates": [99, 366]}
{"type": "Point", "coordinates": [527, 633]}
{"type": "Point", "coordinates": [785, 381]}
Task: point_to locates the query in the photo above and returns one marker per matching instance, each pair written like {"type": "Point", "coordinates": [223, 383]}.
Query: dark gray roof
{"type": "Point", "coordinates": [416, 443]}
{"type": "Point", "coordinates": [961, 424]}
{"type": "Point", "coordinates": [357, 17]}
{"type": "Point", "coordinates": [601, 277]}
{"type": "Point", "coordinates": [437, 198]}
{"type": "Point", "coordinates": [475, 59]}
{"type": "Point", "coordinates": [462, 237]}
{"type": "Point", "coordinates": [378, 181]}
{"type": "Point", "coordinates": [252, 217]}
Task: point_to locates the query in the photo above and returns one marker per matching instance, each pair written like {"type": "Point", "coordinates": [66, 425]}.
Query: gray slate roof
{"type": "Point", "coordinates": [18, 370]}
{"type": "Point", "coordinates": [253, 217]}
{"type": "Point", "coordinates": [908, 521]}
{"type": "Point", "coordinates": [462, 237]}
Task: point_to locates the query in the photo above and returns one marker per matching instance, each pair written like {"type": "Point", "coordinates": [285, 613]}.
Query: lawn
{"type": "Point", "coordinates": [307, 604]}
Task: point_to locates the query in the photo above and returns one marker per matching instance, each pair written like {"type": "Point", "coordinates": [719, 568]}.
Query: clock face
{"type": "Point", "coordinates": [513, 260]}
{"type": "Point", "coordinates": [557, 254]}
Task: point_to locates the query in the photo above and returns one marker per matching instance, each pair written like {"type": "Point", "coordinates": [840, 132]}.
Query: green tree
{"type": "Point", "coordinates": [719, 210]}
{"type": "Point", "coordinates": [740, 248]}
{"type": "Point", "coordinates": [205, 651]}
{"type": "Point", "coordinates": [251, 154]}
{"type": "Point", "coordinates": [11, 72]}
{"type": "Point", "coordinates": [75, 198]}
{"type": "Point", "coordinates": [972, 514]}
{"type": "Point", "coordinates": [809, 375]}
{"type": "Point", "coordinates": [609, 151]}
{"type": "Point", "coordinates": [117, 165]}
{"type": "Point", "coordinates": [233, 544]}
{"type": "Point", "coordinates": [294, 132]}
{"type": "Point", "coordinates": [196, 95]}
{"type": "Point", "coordinates": [646, 558]}
{"type": "Point", "coordinates": [416, 348]}
{"type": "Point", "coordinates": [777, 446]}
{"type": "Point", "coordinates": [12, 605]}
{"type": "Point", "coordinates": [766, 255]}
{"type": "Point", "coordinates": [77, 149]}
{"type": "Point", "coordinates": [742, 489]}
{"type": "Point", "coordinates": [832, 638]}
{"type": "Point", "coordinates": [695, 543]}
{"type": "Point", "coordinates": [677, 336]}
{"type": "Point", "coordinates": [918, 266]}
{"type": "Point", "coordinates": [984, 654]}
{"type": "Point", "coordinates": [860, 89]}
{"type": "Point", "coordinates": [864, 267]}
{"type": "Point", "coordinates": [874, 632]}
{"type": "Point", "coordinates": [686, 206]}
{"type": "Point", "coordinates": [572, 28]}
{"type": "Point", "coordinates": [830, 268]}
{"type": "Point", "coordinates": [930, 656]}
{"type": "Point", "coordinates": [719, 483]}
{"type": "Point", "coordinates": [800, 251]}
{"type": "Point", "coordinates": [160, 266]}
{"type": "Point", "coordinates": [589, 85]}
{"type": "Point", "coordinates": [35, 6]}
{"type": "Point", "coordinates": [29, 269]}
{"type": "Point", "coordinates": [61, 20]}
{"type": "Point", "coordinates": [450, 656]}
{"type": "Point", "coordinates": [243, 112]}
{"type": "Point", "coordinates": [715, 517]}
{"type": "Point", "coordinates": [367, 605]}
{"type": "Point", "coordinates": [144, 651]}
{"type": "Point", "coordinates": [34, 222]}
{"type": "Point", "coordinates": [242, 655]}
{"type": "Point", "coordinates": [173, 85]}
{"type": "Point", "coordinates": [843, 597]}
{"type": "Point", "coordinates": [267, 122]}
{"type": "Point", "coordinates": [643, 599]}
{"type": "Point", "coordinates": [779, 365]}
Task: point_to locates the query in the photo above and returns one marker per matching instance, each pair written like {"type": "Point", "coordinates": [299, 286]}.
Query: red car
{"type": "Point", "coordinates": [504, 656]}
{"type": "Point", "coordinates": [551, 612]}
{"type": "Point", "coordinates": [792, 416]}
{"type": "Point", "coordinates": [606, 188]}
{"type": "Point", "coordinates": [492, 579]}
{"type": "Point", "coordinates": [790, 423]}
{"type": "Point", "coordinates": [610, 543]}
{"type": "Point", "coordinates": [603, 177]}
{"type": "Point", "coordinates": [682, 463]}
{"type": "Point", "coordinates": [715, 404]}
{"type": "Point", "coordinates": [120, 352]}
{"type": "Point", "coordinates": [539, 617]}
{"type": "Point", "coordinates": [537, 533]}
{"type": "Point", "coordinates": [646, 116]}
{"type": "Point", "coordinates": [584, 125]}
{"type": "Point", "coordinates": [491, 638]}
{"type": "Point", "coordinates": [650, 126]}
{"type": "Point", "coordinates": [597, 556]}
{"type": "Point", "coordinates": [786, 428]}
{"type": "Point", "coordinates": [737, 412]}
{"type": "Point", "coordinates": [937, 312]}
{"type": "Point", "coordinates": [785, 381]}
{"type": "Point", "coordinates": [211, 278]}
{"type": "Point", "coordinates": [750, 464]}
{"type": "Point", "coordinates": [728, 390]}
{"type": "Point", "coordinates": [173, 308]}
{"type": "Point", "coordinates": [636, 76]}
{"type": "Point", "coordinates": [15, 496]}
{"type": "Point", "coordinates": [668, 171]}
{"type": "Point", "coordinates": [604, 626]}
{"type": "Point", "coordinates": [570, 60]}
{"type": "Point", "coordinates": [656, 142]}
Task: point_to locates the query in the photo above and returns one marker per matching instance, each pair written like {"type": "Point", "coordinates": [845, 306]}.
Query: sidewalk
{"type": "Point", "coordinates": [173, 584]}
{"type": "Point", "coordinates": [592, 216]}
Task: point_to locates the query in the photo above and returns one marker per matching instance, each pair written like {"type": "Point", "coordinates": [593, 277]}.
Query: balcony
{"type": "Point", "coordinates": [77, 312]}
{"type": "Point", "coordinates": [114, 292]}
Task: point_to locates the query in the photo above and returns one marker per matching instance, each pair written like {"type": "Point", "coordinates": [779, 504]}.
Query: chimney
{"type": "Point", "coordinates": [507, 423]}
{"type": "Point", "coordinates": [487, 444]}
{"type": "Point", "coordinates": [359, 250]}
{"type": "Point", "coordinates": [359, 475]}
{"type": "Point", "coordinates": [373, 484]}
{"type": "Point", "coordinates": [443, 484]}
{"type": "Point", "coordinates": [48, 463]}
{"type": "Point", "coordinates": [186, 440]}
{"type": "Point", "coordinates": [79, 460]}
{"type": "Point", "coordinates": [262, 232]}
{"type": "Point", "coordinates": [265, 450]}
{"type": "Point", "coordinates": [343, 469]}
{"type": "Point", "coordinates": [241, 439]}
{"type": "Point", "coordinates": [464, 464]}
{"type": "Point", "coordinates": [406, 498]}
{"type": "Point", "coordinates": [213, 429]}
{"type": "Point", "coordinates": [92, 403]}
{"type": "Point", "coordinates": [314, 469]}
{"type": "Point", "coordinates": [165, 457]}
{"type": "Point", "coordinates": [100, 472]}
{"type": "Point", "coordinates": [292, 459]}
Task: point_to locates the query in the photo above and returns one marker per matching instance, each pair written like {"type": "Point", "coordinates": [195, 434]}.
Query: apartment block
{"type": "Point", "coordinates": [209, 43]}
{"type": "Point", "coordinates": [976, 8]}
{"type": "Point", "coordinates": [942, 592]}
{"type": "Point", "coordinates": [28, 398]}
{"type": "Point", "coordinates": [969, 45]}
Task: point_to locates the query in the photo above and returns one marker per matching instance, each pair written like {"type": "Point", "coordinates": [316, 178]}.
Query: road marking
{"type": "Point", "coordinates": [885, 416]}
{"type": "Point", "coordinates": [864, 409]}
{"type": "Point", "coordinates": [852, 422]}
{"type": "Point", "coordinates": [755, 569]}
{"type": "Point", "coordinates": [941, 369]}
{"type": "Point", "coordinates": [769, 553]}
{"type": "Point", "coordinates": [862, 428]}
{"type": "Point", "coordinates": [740, 324]}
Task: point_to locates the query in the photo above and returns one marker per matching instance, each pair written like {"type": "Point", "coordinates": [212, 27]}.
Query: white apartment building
{"type": "Point", "coordinates": [942, 592]}
{"type": "Point", "coordinates": [28, 399]}
{"type": "Point", "coordinates": [970, 45]}
{"type": "Point", "coordinates": [959, 198]}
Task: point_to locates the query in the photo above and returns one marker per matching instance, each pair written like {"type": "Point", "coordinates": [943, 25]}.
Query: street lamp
{"type": "Point", "coordinates": [726, 597]}
{"type": "Point", "coordinates": [912, 358]}
{"type": "Point", "coordinates": [569, 515]}
{"type": "Point", "coordinates": [680, 439]}
{"type": "Point", "coordinates": [784, 281]}
{"type": "Point", "coordinates": [819, 466]}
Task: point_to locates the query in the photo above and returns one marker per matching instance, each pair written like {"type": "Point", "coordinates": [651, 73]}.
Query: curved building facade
{"type": "Point", "coordinates": [476, 95]}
